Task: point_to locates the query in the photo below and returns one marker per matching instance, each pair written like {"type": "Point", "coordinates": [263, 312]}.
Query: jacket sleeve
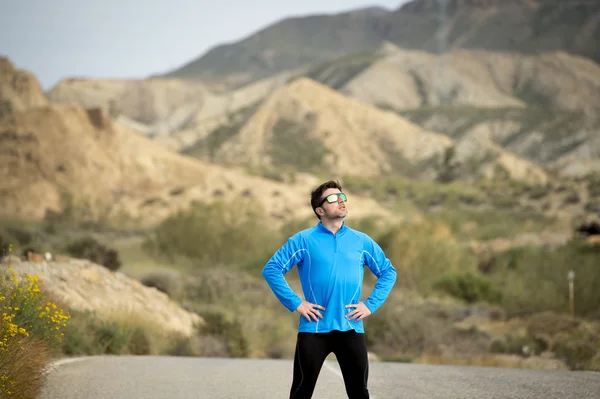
{"type": "Point", "coordinates": [381, 267]}
{"type": "Point", "coordinates": [290, 254]}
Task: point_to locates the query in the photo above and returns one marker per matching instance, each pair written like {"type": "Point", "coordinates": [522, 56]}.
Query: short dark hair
{"type": "Point", "coordinates": [315, 196]}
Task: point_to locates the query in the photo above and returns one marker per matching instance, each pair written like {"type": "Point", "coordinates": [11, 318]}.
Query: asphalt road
{"type": "Point", "coordinates": [178, 377]}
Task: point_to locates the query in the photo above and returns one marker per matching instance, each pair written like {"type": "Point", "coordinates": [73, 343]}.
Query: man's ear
{"type": "Point", "coordinates": [320, 211]}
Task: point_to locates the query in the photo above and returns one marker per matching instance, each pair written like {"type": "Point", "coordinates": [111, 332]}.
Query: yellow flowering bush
{"type": "Point", "coordinates": [29, 326]}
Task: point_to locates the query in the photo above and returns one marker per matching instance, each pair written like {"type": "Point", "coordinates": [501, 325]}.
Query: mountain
{"type": "Point", "coordinates": [398, 78]}
{"type": "Point", "coordinates": [53, 153]}
{"type": "Point", "coordinates": [311, 127]}
{"type": "Point", "coordinates": [176, 113]}
{"type": "Point", "coordinates": [522, 26]}
{"type": "Point", "coordinates": [543, 107]}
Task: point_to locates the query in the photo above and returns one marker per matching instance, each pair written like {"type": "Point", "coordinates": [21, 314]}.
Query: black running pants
{"type": "Point", "coordinates": [350, 350]}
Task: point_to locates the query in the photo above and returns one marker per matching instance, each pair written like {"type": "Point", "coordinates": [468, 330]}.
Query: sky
{"type": "Point", "coordinates": [57, 39]}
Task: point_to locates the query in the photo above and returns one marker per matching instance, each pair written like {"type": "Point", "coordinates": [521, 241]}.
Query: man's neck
{"type": "Point", "coordinates": [333, 225]}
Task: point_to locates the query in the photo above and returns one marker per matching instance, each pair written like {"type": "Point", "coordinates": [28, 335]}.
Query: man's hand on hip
{"type": "Point", "coordinates": [360, 311]}
{"type": "Point", "coordinates": [310, 310]}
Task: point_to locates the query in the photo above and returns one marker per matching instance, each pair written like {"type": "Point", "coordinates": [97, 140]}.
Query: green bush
{"type": "Point", "coordinates": [469, 287]}
{"type": "Point", "coordinates": [577, 352]}
{"type": "Point", "coordinates": [404, 333]}
{"type": "Point", "coordinates": [594, 364]}
{"type": "Point", "coordinates": [90, 248]}
{"type": "Point", "coordinates": [89, 334]}
{"type": "Point", "coordinates": [535, 279]}
{"type": "Point", "coordinates": [525, 345]}
{"type": "Point", "coordinates": [421, 252]}
{"type": "Point", "coordinates": [233, 232]}
{"type": "Point", "coordinates": [111, 337]}
{"type": "Point", "coordinates": [79, 339]}
{"type": "Point", "coordinates": [139, 342]}
{"type": "Point", "coordinates": [184, 347]}
{"type": "Point", "coordinates": [229, 330]}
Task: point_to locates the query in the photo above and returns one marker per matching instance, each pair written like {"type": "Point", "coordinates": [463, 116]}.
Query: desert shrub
{"type": "Point", "coordinates": [4, 246]}
{"type": "Point", "coordinates": [539, 191]}
{"type": "Point", "coordinates": [22, 363]}
{"type": "Point", "coordinates": [572, 198]}
{"type": "Point", "coordinates": [522, 345]}
{"type": "Point", "coordinates": [90, 248]}
{"type": "Point", "coordinates": [594, 364]}
{"type": "Point", "coordinates": [593, 206]}
{"type": "Point", "coordinates": [91, 334]}
{"type": "Point", "coordinates": [185, 347]}
{"type": "Point", "coordinates": [139, 342]}
{"type": "Point", "coordinates": [220, 336]}
{"type": "Point", "coordinates": [25, 307]}
{"type": "Point", "coordinates": [408, 335]}
{"type": "Point", "coordinates": [421, 252]}
{"type": "Point", "coordinates": [573, 340]}
{"type": "Point", "coordinates": [79, 336]}
{"type": "Point", "coordinates": [112, 338]}
{"type": "Point", "coordinates": [535, 279]}
{"type": "Point", "coordinates": [219, 233]}
{"type": "Point", "coordinates": [593, 185]}
{"type": "Point", "coordinates": [19, 235]}
{"type": "Point", "coordinates": [577, 351]}
{"type": "Point", "coordinates": [469, 287]}
{"type": "Point", "coordinates": [30, 328]}
{"type": "Point", "coordinates": [162, 281]}
{"type": "Point", "coordinates": [551, 324]}
{"type": "Point", "coordinates": [228, 329]}
{"type": "Point", "coordinates": [19, 238]}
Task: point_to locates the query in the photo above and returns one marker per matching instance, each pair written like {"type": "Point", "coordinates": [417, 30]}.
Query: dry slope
{"type": "Point", "coordinates": [53, 150]}
{"type": "Point", "coordinates": [310, 126]}
{"type": "Point", "coordinates": [85, 286]}
{"type": "Point", "coordinates": [175, 112]}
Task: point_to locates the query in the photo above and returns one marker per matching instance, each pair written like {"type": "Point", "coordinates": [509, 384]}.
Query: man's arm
{"type": "Point", "coordinates": [280, 263]}
{"type": "Point", "coordinates": [381, 267]}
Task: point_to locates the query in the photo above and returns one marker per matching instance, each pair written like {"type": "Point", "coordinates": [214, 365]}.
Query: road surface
{"type": "Point", "coordinates": [149, 377]}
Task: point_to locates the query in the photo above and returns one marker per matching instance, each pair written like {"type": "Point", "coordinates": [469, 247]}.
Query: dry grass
{"type": "Point", "coordinates": [22, 367]}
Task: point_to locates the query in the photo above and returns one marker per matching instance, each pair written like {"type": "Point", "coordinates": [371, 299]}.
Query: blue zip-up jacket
{"type": "Point", "coordinates": [331, 269]}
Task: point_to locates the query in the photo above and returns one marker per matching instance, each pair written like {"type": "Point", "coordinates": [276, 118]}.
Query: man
{"type": "Point", "coordinates": [330, 257]}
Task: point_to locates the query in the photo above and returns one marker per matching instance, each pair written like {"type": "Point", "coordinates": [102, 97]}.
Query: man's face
{"type": "Point", "coordinates": [335, 210]}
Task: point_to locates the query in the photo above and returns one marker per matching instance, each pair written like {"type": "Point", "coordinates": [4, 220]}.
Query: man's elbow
{"type": "Point", "coordinates": [269, 271]}
{"type": "Point", "coordinates": [265, 272]}
{"type": "Point", "coordinates": [391, 274]}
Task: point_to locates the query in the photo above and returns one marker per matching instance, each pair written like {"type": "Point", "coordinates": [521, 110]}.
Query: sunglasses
{"type": "Point", "coordinates": [331, 198]}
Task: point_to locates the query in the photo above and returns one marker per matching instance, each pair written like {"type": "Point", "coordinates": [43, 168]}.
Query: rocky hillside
{"type": "Point", "coordinates": [56, 152]}
{"type": "Point", "coordinates": [18, 89]}
{"type": "Point", "coordinates": [532, 111]}
{"type": "Point", "coordinates": [83, 286]}
{"type": "Point", "coordinates": [522, 26]}
{"type": "Point", "coordinates": [398, 78]}
{"type": "Point", "coordinates": [308, 126]}
{"type": "Point", "coordinates": [175, 113]}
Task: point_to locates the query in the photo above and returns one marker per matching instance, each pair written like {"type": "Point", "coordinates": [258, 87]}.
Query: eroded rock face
{"type": "Point", "coordinates": [18, 89]}
{"type": "Point", "coordinates": [85, 286]}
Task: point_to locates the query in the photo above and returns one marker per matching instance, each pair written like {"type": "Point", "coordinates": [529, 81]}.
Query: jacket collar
{"type": "Point", "coordinates": [324, 229]}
